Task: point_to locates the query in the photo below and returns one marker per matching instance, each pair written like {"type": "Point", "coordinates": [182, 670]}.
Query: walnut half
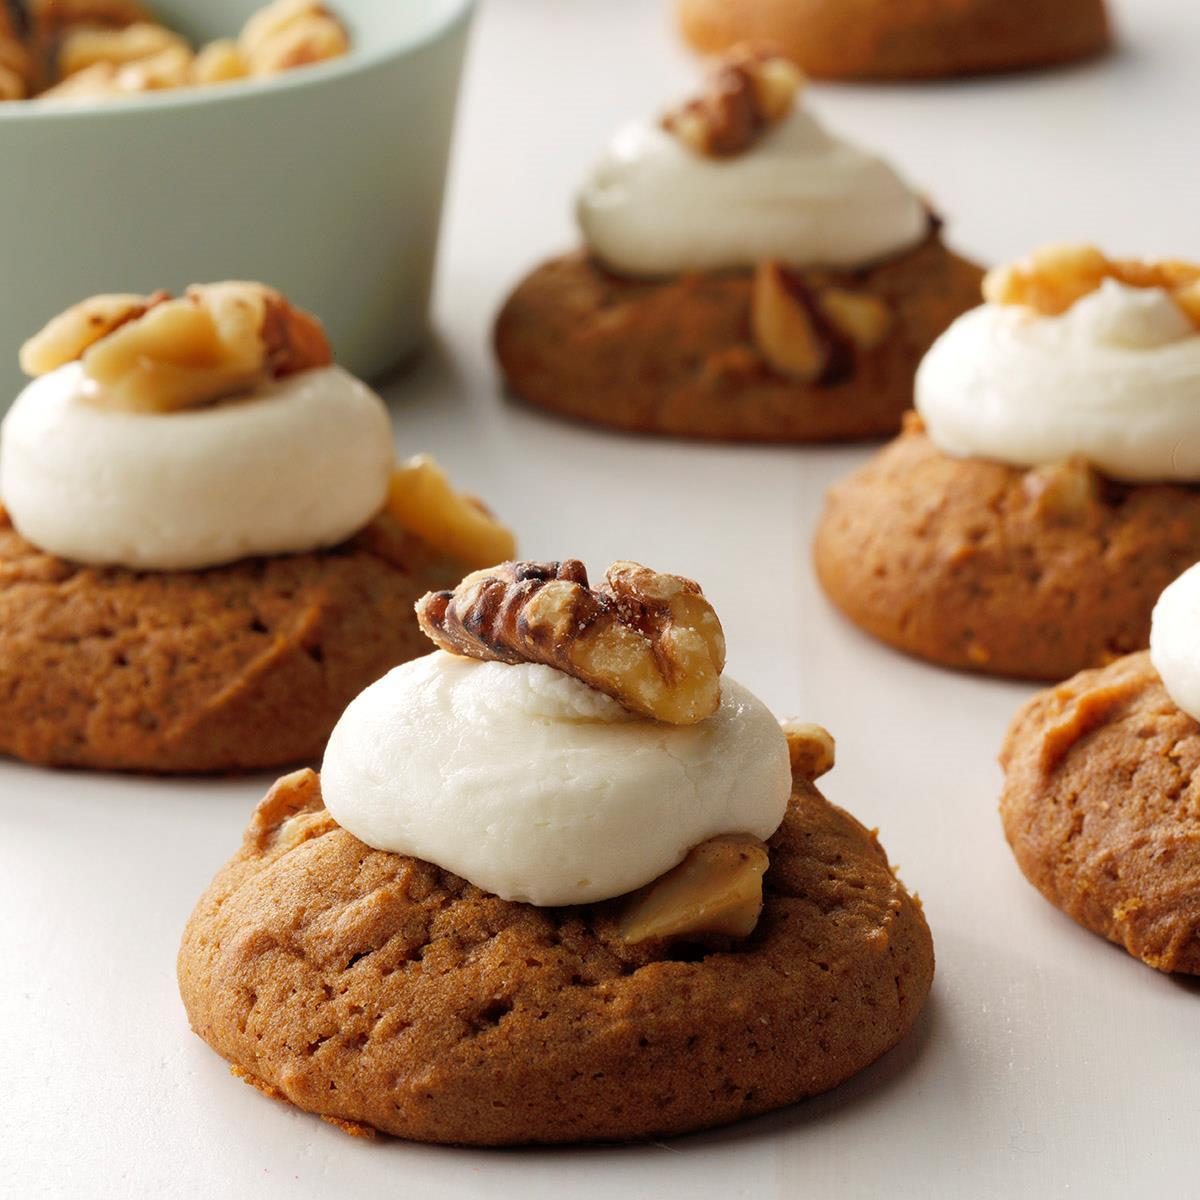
{"type": "Point", "coordinates": [651, 641]}
{"type": "Point", "coordinates": [156, 354]}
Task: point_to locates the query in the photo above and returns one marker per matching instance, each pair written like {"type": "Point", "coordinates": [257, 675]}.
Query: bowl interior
{"type": "Point", "coordinates": [374, 24]}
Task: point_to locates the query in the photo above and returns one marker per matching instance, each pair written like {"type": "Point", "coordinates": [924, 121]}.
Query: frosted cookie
{"type": "Point", "coordinates": [1099, 797]}
{"type": "Point", "coordinates": [1025, 523]}
{"type": "Point", "coordinates": [561, 880]}
{"type": "Point", "coordinates": [746, 275]}
{"type": "Point", "coordinates": [904, 39]}
{"type": "Point", "coordinates": [207, 547]}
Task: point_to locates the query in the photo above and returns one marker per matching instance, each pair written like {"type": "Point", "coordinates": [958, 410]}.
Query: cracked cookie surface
{"type": "Point", "coordinates": [678, 357]}
{"type": "Point", "coordinates": [237, 667]}
{"type": "Point", "coordinates": [386, 994]}
{"type": "Point", "coordinates": [1101, 806]}
{"type": "Point", "coordinates": [976, 565]}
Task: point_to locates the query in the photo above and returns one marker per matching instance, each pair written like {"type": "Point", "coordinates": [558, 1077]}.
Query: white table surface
{"type": "Point", "coordinates": [1047, 1063]}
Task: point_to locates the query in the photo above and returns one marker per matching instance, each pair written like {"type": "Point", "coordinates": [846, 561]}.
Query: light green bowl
{"type": "Point", "coordinates": [325, 182]}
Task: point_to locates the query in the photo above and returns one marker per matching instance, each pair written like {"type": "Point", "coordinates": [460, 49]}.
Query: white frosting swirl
{"type": "Point", "coordinates": [538, 788]}
{"type": "Point", "coordinates": [302, 463]}
{"type": "Point", "coordinates": [1175, 641]}
{"type": "Point", "coordinates": [1115, 379]}
{"type": "Point", "coordinates": [655, 207]}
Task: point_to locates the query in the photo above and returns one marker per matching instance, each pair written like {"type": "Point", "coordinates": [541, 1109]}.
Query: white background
{"type": "Point", "coordinates": [1047, 1063]}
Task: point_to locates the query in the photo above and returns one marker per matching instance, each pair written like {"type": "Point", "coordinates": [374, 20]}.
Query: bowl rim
{"type": "Point", "coordinates": [456, 13]}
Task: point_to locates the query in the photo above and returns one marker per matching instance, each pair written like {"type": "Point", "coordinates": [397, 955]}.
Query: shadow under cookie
{"type": "Point", "coordinates": [678, 356]}
{"type": "Point", "coordinates": [386, 994]}
{"type": "Point", "coordinates": [1098, 811]}
{"type": "Point", "coordinates": [1032, 574]}
{"type": "Point", "coordinates": [905, 39]}
{"type": "Point", "coordinates": [240, 667]}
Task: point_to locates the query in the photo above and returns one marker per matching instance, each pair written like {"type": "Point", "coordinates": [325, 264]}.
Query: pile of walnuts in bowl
{"type": "Point", "coordinates": [103, 49]}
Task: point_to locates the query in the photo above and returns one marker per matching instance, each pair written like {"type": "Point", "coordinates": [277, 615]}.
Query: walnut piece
{"type": "Point", "coordinates": [16, 63]}
{"type": "Point", "coordinates": [53, 17]}
{"type": "Point", "coordinates": [1053, 278]}
{"type": "Point", "coordinates": [810, 333]}
{"type": "Point", "coordinates": [291, 33]}
{"type": "Point", "coordinates": [717, 889]}
{"type": "Point", "coordinates": [423, 501]}
{"type": "Point", "coordinates": [747, 92]}
{"type": "Point", "coordinates": [1066, 492]}
{"type": "Point", "coordinates": [862, 318]}
{"type": "Point", "coordinates": [86, 46]}
{"type": "Point", "coordinates": [156, 354]}
{"type": "Point", "coordinates": [219, 62]}
{"type": "Point", "coordinates": [651, 641]}
{"type": "Point", "coordinates": [810, 749]}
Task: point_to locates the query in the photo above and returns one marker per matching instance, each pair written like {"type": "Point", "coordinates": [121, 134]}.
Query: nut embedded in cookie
{"type": "Point", "coordinates": [651, 641]}
{"type": "Point", "coordinates": [715, 891]}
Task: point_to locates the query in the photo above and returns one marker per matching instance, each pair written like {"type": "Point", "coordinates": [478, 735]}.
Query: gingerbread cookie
{"type": "Point", "coordinates": [746, 277]}
{"type": "Point", "coordinates": [1025, 524]}
{"type": "Point", "coordinates": [560, 881]}
{"type": "Point", "coordinates": [904, 39]}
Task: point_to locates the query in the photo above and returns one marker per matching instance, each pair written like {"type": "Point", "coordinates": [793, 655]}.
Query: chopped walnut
{"type": "Point", "coordinates": [219, 62]}
{"type": "Point", "coordinates": [651, 641]}
{"type": "Point", "coordinates": [105, 49]}
{"type": "Point", "coordinates": [863, 318]}
{"type": "Point", "coordinates": [53, 17]}
{"type": "Point", "coordinates": [291, 33]}
{"type": "Point", "coordinates": [747, 92]}
{"type": "Point", "coordinates": [810, 749]}
{"type": "Point", "coordinates": [1053, 278]}
{"type": "Point", "coordinates": [1066, 492]}
{"type": "Point", "coordinates": [791, 329]}
{"type": "Point", "coordinates": [16, 63]}
{"type": "Point", "coordinates": [67, 336]}
{"type": "Point", "coordinates": [716, 890]}
{"type": "Point", "coordinates": [424, 502]}
{"type": "Point", "coordinates": [155, 354]}
{"type": "Point", "coordinates": [86, 46]}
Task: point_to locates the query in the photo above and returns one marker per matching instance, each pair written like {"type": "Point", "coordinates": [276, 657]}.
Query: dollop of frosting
{"type": "Point", "coordinates": [653, 206]}
{"type": "Point", "coordinates": [1116, 379]}
{"type": "Point", "coordinates": [302, 462]}
{"type": "Point", "coordinates": [1175, 641]}
{"type": "Point", "coordinates": [537, 788]}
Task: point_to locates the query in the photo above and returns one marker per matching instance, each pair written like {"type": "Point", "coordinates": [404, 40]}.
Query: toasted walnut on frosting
{"type": "Point", "coordinates": [651, 641]}
{"type": "Point", "coordinates": [748, 91]}
{"type": "Point", "coordinates": [157, 354]}
{"type": "Point", "coordinates": [1053, 278]}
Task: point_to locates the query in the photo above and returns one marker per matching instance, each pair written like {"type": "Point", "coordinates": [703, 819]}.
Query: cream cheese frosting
{"type": "Point", "coordinates": [653, 206]}
{"type": "Point", "coordinates": [537, 788]}
{"type": "Point", "coordinates": [302, 462]}
{"type": "Point", "coordinates": [1115, 379]}
{"type": "Point", "coordinates": [1175, 641]}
